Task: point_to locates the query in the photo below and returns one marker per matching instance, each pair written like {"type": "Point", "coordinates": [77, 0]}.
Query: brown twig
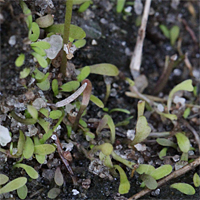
{"type": "Point", "coordinates": [60, 151]}
{"type": "Point", "coordinates": [173, 175]}
{"type": "Point", "coordinates": [137, 54]}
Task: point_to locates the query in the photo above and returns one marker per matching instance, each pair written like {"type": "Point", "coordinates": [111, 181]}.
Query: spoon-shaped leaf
{"type": "Point", "coordinates": [124, 186]}
{"type": "Point", "coordinates": [162, 171]}
{"type": "Point", "coordinates": [44, 149]}
{"type": "Point", "coordinates": [104, 69]}
{"type": "Point", "coordinates": [13, 185]}
{"type": "Point", "coordinates": [185, 85]}
{"type": "Point", "coordinates": [149, 181]}
{"type": "Point", "coordinates": [184, 188]}
{"type": "Point", "coordinates": [3, 179]}
{"type": "Point", "coordinates": [142, 130]}
{"type": "Point", "coordinates": [28, 148]}
{"type": "Point", "coordinates": [29, 170]}
{"type": "Point", "coordinates": [196, 180]}
{"type": "Point", "coordinates": [183, 142]}
{"type": "Point", "coordinates": [22, 192]}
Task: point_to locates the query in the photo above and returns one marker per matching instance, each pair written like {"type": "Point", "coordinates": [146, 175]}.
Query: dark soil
{"type": "Point", "coordinates": [116, 38]}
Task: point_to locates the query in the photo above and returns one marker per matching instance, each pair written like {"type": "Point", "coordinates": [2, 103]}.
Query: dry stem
{"type": "Point", "coordinates": [175, 174]}
{"type": "Point", "coordinates": [137, 54]}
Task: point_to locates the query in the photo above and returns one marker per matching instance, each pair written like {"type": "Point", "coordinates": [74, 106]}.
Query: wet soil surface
{"type": "Point", "coordinates": [114, 35]}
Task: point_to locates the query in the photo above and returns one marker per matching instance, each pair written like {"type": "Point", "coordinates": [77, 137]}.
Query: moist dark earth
{"type": "Point", "coordinates": [115, 37]}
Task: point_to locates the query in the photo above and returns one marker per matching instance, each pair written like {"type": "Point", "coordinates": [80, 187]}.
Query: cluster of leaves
{"type": "Point", "coordinates": [171, 34]}
{"type": "Point", "coordinates": [49, 118]}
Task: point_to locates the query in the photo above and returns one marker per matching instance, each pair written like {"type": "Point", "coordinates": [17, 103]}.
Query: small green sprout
{"type": "Point", "coordinates": [196, 180]}
{"type": "Point", "coordinates": [20, 60]}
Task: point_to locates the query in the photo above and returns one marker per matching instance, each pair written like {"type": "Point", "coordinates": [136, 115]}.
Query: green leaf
{"type": "Point", "coordinates": [28, 148]}
{"type": "Point", "coordinates": [58, 177]}
{"type": "Point", "coordinates": [44, 85]}
{"type": "Point", "coordinates": [112, 128]}
{"type": "Point", "coordinates": [13, 185]}
{"type": "Point", "coordinates": [45, 124]}
{"type": "Point", "coordinates": [22, 192]}
{"type": "Point", "coordinates": [85, 71]}
{"type": "Point", "coordinates": [46, 136]}
{"type": "Point", "coordinates": [104, 69]}
{"type": "Point", "coordinates": [144, 168]}
{"type": "Point", "coordinates": [70, 86]}
{"type": "Point", "coordinates": [3, 179]}
{"type": "Point", "coordinates": [27, 13]}
{"type": "Point", "coordinates": [21, 143]}
{"type": "Point", "coordinates": [24, 73]}
{"type": "Point", "coordinates": [43, 63]}
{"type": "Point", "coordinates": [22, 120]}
{"type": "Point", "coordinates": [29, 170]}
{"type": "Point", "coordinates": [166, 142]}
{"type": "Point", "coordinates": [53, 193]}
{"type": "Point", "coordinates": [39, 51]}
{"type": "Point", "coordinates": [196, 180]}
{"type": "Point", "coordinates": [20, 60]}
{"type": "Point", "coordinates": [106, 148]}
{"type": "Point", "coordinates": [174, 33]}
{"type": "Point", "coordinates": [33, 111]}
{"type": "Point", "coordinates": [149, 181]}
{"type": "Point", "coordinates": [80, 43]}
{"type": "Point", "coordinates": [119, 110]}
{"type": "Point", "coordinates": [185, 85]}
{"type": "Point", "coordinates": [35, 32]}
{"type": "Point", "coordinates": [162, 153]}
{"type": "Point", "coordinates": [165, 31]}
{"type": "Point", "coordinates": [140, 106]}
{"type": "Point", "coordinates": [78, 2]}
{"type": "Point", "coordinates": [142, 130]}
{"type": "Point", "coordinates": [55, 114]}
{"type": "Point", "coordinates": [120, 5]}
{"type": "Point", "coordinates": [55, 87]}
{"type": "Point", "coordinates": [84, 6]}
{"type": "Point", "coordinates": [186, 112]}
{"type": "Point", "coordinates": [44, 149]}
{"type": "Point", "coordinates": [124, 186]}
{"type": "Point", "coordinates": [167, 115]}
{"type": "Point", "coordinates": [45, 21]}
{"type": "Point", "coordinates": [75, 31]}
{"type": "Point", "coordinates": [41, 44]}
{"type": "Point", "coordinates": [183, 142]}
{"type": "Point", "coordinates": [96, 101]}
{"type": "Point", "coordinates": [161, 172]}
{"type": "Point", "coordinates": [184, 188]}
{"type": "Point", "coordinates": [45, 112]}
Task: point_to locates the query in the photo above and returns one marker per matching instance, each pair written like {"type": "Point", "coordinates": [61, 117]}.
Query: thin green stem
{"type": "Point", "coordinates": [68, 16]}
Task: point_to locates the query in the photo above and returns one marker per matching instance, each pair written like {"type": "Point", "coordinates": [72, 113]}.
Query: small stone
{"type": "Point", "coordinates": [140, 147]}
{"type": "Point", "coordinates": [174, 4]}
{"type": "Point", "coordinates": [94, 42]}
{"type": "Point", "coordinates": [130, 134]}
{"type": "Point", "coordinates": [160, 107]}
{"type": "Point", "coordinates": [128, 9]}
{"type": "Point", "coordinates": [12, 40]}
{"type": "Point", "coordinates": [176, 158]}
{"type": "Point", "coordinates": [48, 174]}
{"type": "Point", "coordinates": [113, 92]}
{"type": "Point", "coordinates": [75, 192]}
{"type": "Point", "coordinates": [4, 136]}
{"type": "Point", "coordinates": [155, 192]}
{"type": "Point", "coordinates": [180, 100]}
{"type": "Point", "coordinates": [39, 103]}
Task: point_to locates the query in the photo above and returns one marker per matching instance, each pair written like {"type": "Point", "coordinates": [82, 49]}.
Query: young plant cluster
{"type": "Point", "coordinates": [52, 113]}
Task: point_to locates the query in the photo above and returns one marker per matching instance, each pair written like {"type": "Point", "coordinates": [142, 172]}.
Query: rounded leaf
{"type": "Point", "coordinates": [184, 188]}
{"type": "Point", "coordinates": [149, 181]}
{"type": "Point", "coordinates": [20, 60]}
{"type": "Point", "coordinates": [3, 179]}
{"type": "Point", "coordinates": [44, 149]}
{"type": "Point", "coordinates": [55, 114]}
{"type": "Point", "coordinates": [96, 101]}
{"type": "Point", "coordinates": [58, 177]}
{"type": "Point", "coordinates": [29, 170]}
{"type": "Point", "coordinates": [53, 193]}
{"type": "Point", "coordinates": [162, 171]}
{"type": "Point", "coordinates": [70, 86]}
{"type": "Point", "coordinates": [183, 142]}
{"type": "Point", "coordinates": [104, 69]}
{"type": "Point", "coordinates": [28, 148]}
{"type": "Point", "coordinates": [43, 63]}
{"type": "Point", "coordinates": [35, 32]}
{"type": "Point", "coordinates": [33, 111]}
{"type": "Point", "coordinates": [106, 148]}
{"type": "Point", "coordinates": [83, 74]}
{"type": "Point", "coordinates": [25, 72]}
{"type": "Point", "coordinates": [13, 185]}
{"type": "Point", "coordinates": [196, 180]}
{"type": "Point", "coordinates": [22, 192]}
